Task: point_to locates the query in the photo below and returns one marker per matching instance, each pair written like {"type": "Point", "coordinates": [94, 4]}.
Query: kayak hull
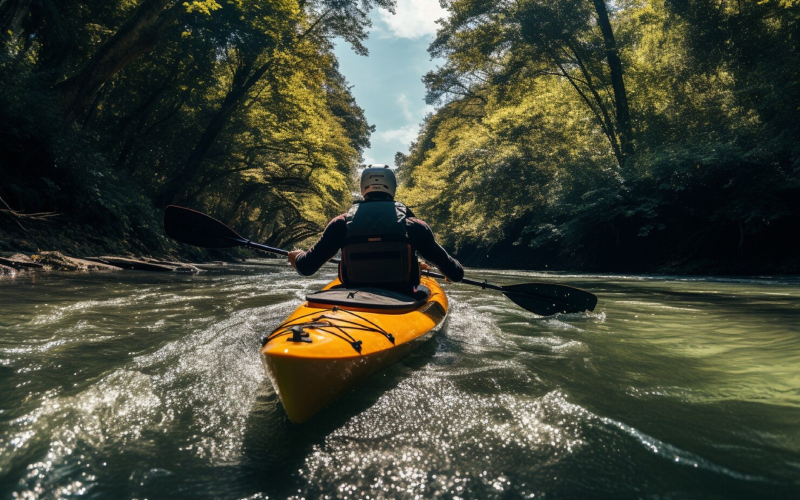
{"type": "Point", "coordinates": [340, 347]}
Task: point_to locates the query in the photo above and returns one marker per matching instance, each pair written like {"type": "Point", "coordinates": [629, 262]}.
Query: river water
{"type": "Point", "coordinates": [137, 385]}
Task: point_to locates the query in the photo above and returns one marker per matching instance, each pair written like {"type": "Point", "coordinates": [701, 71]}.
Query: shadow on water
{"type": "Point", "coordinates": [730, 301]}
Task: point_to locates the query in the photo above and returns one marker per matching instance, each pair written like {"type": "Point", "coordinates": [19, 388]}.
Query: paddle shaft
{"type": "Point", "coordinates": [211, 229]}
{"type": "Point", "coordinates": [198, 229]}
{"type": "Point", "coordinates": [280, 251]}
{"type": "Point", "coordinates": [259, 246]}
{"type": "Point", "coordinates": [465, 281]}
{"type": "Point", "coordinates": [265, 248]}
{"type": "Point", "coordinates": [432, 274]}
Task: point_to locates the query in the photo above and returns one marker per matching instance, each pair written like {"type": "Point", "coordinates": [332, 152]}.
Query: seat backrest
{"type": "Point", "coordinates": [376, 249]}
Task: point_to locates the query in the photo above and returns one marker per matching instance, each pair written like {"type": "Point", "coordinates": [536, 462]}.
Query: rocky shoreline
{"type": "Point", "coordinates": [12, 263]}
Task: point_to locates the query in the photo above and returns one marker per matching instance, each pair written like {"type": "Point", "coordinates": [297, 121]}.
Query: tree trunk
{"type": "Point", "coordinates": [244, 197]}
{"type": "Point", "coordinates": [617, 81]}
{"type": "Point", "coordinates": [141, 115]}
{"type": "Point", "coordinates": [137, 36]}
{"type": "Point", "coordinates": [177, 190]}
{"type": "Point", "coordinates": [605, 119]}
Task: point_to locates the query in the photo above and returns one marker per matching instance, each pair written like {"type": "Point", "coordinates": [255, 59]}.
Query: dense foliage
{"type": "Point", "coordinates": [109, 110]}
{"type": "Point", "coordinates": [633, 135]}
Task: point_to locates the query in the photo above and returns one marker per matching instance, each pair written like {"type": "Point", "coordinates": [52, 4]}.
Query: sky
{"type": "Point", "coordinates": [388, 83]}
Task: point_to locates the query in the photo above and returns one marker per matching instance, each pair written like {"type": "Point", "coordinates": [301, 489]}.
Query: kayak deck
{"type": "Point", "coordinates": [321, 350]}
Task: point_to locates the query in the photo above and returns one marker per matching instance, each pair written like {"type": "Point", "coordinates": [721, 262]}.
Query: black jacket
{"type": "Point", "coordinates": [420, 237]}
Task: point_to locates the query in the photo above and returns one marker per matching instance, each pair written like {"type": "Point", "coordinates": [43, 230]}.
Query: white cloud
{"type": "Point", "coordinates": [414, 18]}
{"type": "Point", "coordinates": [404, 135]}
{"type": "Point", "coordinates": [405, 104]}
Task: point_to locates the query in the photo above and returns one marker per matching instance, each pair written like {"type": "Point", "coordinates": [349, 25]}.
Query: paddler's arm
{"type": "Point", "coordinates": [422, 238]}
{"type": "Point", "coordinates": [308, 263]}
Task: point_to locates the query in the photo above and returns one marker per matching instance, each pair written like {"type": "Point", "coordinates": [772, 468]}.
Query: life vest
{"type": "Point", "coordinates": [377, 251]}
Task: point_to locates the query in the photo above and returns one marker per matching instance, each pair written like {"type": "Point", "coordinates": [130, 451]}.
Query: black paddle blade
{"type": "Point", "coordinates": [198, 229]}
{"type": "Point", "coordinates": [546, 299]}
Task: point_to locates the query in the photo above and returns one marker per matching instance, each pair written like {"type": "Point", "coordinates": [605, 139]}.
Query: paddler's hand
{"type": "Point", "coordinates": [293, 255]}
{"type": "Point", "coordinates": [424, 266]}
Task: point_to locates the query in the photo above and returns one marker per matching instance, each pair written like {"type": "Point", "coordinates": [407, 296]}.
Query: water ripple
{"type": "Point", "coordinates": [140, 386]}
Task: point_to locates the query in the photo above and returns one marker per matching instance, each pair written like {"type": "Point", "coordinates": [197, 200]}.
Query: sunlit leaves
{"type": "Point", "coordinates": [238, 108]}
{"type": "Point", "coordinates": [202, 6]}
{"type": "Point", "coordinates": [518, 150]}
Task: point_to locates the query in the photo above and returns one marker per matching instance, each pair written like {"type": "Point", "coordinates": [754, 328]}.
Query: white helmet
{"type": "Point", "coordinates": [378, 179]}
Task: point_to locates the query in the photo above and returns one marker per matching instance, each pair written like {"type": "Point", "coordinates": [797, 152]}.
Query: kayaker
{"type": "Point", "coordinates": [379, 239]}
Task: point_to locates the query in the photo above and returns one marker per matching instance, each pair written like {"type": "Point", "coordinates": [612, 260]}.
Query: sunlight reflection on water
{"type": "Point", "coordinates": [133, 385]}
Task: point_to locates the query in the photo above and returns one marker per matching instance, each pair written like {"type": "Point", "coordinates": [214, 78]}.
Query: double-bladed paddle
{"type": "Point", "coordinates": [200, 230]}
{"type": "Point", "coordinates": [543, 299]}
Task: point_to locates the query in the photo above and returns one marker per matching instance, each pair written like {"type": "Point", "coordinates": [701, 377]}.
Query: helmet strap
{"type": "Point", "coordinates": [378, 196]}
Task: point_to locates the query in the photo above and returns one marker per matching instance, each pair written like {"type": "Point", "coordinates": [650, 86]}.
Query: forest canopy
{"type": "Point", "coordinates": [109, 110]}
{"type": "Point", "coordinates": [635, 135]}
{"type": "Point", "coordinates": [630, 135]}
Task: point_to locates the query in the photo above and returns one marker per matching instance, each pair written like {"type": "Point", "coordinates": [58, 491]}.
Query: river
{"type": "Point", "coordinates": [137, 385]}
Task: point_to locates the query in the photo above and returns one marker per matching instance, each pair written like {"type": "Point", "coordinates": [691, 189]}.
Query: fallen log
{"type": "Point", "coordinates": [20, 261]}
{"type": "Point", "coordinates": [180, 267]}
{"type": "Point", "coordinates": [135, 264]}
{"type": "Point", "coordinates": [57, 261]}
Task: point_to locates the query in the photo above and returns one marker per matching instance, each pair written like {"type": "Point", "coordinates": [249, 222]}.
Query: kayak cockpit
{"type": "Point", "coordinates": [372, 299]}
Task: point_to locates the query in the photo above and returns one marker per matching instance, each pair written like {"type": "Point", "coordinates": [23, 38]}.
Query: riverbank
{"type": "Point", "coordinates": [151, 245]}
{"type": "Point", "coordinates": [13, 263]}
{"type": "Point", "coordinates": [634, 257]}
{"type": "Point", "coordinates": [67, 246]}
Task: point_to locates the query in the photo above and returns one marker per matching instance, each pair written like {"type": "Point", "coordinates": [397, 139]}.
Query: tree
{"type": "Point", "coordinates": [499, 42]}
{"type": "Point", "coordinates": [138, 35]}
{"type": "Point", "coordinates": [239, 109]}
{"type": "Point", "coordinates": [697, 100]}
{"type": "Point", "coordinates": [271, 43]}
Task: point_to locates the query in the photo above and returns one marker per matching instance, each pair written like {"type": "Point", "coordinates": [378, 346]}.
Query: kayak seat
{"type": "Point", "coordinates": [370, 298]}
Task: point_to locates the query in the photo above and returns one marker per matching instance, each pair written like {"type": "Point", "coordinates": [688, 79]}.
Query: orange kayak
{"type": "Point", "coordinates": [339, 337]}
